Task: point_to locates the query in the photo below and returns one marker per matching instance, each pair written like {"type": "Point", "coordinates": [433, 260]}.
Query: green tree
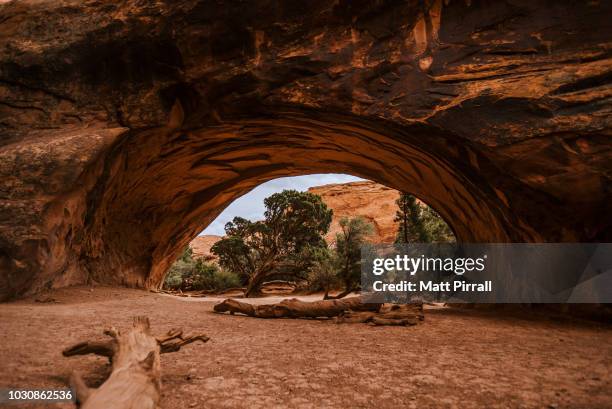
{"type": "Point", "coordinates": [419, 223]}
{"type": "Point", "coordinates": [353, 234]}
{"type": "Point", "coordinates": [411, 226]}
{"type": "Point", "coordinates": [323, 272]}
{"type": "Point", "coordinates": [294, 224]}
{"type": "Point", "coordinates": [436, 228]}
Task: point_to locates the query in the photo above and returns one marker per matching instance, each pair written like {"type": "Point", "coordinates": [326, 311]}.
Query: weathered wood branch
{"type": "Point", "coordinates": [294, 308]}
{"type": "Point", "coordinates": [346, 310]}
{"type": "Point", "coordinates": [103, 348]}
{"type": "Point", "coordinates": [135, 378]}
{"type": "Point", "coordinates": [388, 314]}
{"type": "Point", "coordinates": [174, 340]}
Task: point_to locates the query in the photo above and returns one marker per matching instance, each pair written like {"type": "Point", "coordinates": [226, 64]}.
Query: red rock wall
{"type": "Point", "coordinates": [200, 246]}
{"type": "Point", "coordinates": [372, 201]}
{"type": "Point", "coordinates": [495, 113]}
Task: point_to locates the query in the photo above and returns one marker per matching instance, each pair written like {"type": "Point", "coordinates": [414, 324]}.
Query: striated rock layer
{"type": "Point", "coordinates": [125, 128]}
{"type": "Point", "coordinates": [372, 201]}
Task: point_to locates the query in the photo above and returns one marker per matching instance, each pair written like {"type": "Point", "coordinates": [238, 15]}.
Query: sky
{"type": "Point", "coordinates": [250, 206]}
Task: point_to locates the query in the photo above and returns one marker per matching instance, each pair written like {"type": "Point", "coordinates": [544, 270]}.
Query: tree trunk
{"type": "Point", "coordinates": [135, 378]}
{"type": "Point", "coordinates": [251, 289]}
{"type": "Point", "coordinates": [256, 281]}
{"type": "Point", "coordinates": [347, 310]}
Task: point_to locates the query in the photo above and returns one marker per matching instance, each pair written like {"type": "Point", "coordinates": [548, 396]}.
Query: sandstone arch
{"type": "Point", "coordinates": [127, 128]}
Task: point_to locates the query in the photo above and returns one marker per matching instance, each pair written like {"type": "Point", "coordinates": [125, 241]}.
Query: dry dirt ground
{"type": "Point", "coordinates": [455, 359]}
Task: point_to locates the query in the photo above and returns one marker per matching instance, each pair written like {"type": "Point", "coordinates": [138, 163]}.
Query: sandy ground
{"type": "Point", "coordinates": [455, 359]}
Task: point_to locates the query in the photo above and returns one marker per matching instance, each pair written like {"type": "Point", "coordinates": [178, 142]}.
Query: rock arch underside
{"type": "Point", "coordinates": [125, 128]}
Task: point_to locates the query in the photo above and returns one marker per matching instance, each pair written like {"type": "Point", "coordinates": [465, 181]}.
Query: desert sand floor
{"type": "Point", "coordinates": [455, 359]}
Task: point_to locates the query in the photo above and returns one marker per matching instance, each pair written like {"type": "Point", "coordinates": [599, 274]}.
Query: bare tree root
{"type": "Point", "coordinates": [135, 378]}
{"type": "Point", "coordinates": [346, 310]}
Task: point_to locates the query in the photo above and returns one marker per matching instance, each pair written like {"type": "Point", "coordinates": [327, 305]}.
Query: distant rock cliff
{"type": "Point", "coordinates": [200, 246]}
{"type": "Point", "coordinates": [373, 201]}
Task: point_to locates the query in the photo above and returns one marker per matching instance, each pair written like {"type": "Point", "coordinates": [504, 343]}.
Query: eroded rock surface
{"type": "Point", "coordinates": [125, 128]}
{"type": "Point", "coordinates": [201, 245]}
{"type": "Point", "coordinates": [372, 201]}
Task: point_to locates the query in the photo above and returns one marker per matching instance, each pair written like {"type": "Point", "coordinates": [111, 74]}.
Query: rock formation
{"type": "Point", "coordinates": [125, 128]}
{"type": "Point", "coordinates": [370, 200]}
{"type": "Point", "coordinates": [200, 246]}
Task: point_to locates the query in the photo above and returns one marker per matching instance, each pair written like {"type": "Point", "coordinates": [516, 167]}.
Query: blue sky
{"type": "Point", "coordinates": [250, 206]}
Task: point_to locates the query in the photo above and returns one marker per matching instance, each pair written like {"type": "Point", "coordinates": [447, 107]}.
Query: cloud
{"type": "Point", "coordinates": [250, 206]}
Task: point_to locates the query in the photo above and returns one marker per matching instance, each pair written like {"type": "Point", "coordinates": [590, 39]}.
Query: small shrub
{"type": "Point", "coordinates": [188, 274]}
{"type": "Point", "coordinates": [208, 276]}
{"type": "Point", "coordinates": [174, 280]}
{"type": "Point", "coordinates": [176, 274]}
{"type": "Point", "coordinates": [223, 280]}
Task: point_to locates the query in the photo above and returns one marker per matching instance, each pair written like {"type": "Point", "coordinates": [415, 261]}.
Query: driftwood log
{"type": "Point", "coordinates": [135, 378]}
{"type": "Point", "coordinates": [347, 310]}
{"type": "Point", "coordinates": [388, 314]}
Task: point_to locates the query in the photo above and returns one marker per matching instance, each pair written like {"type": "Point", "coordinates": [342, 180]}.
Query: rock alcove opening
{"type": "Point", "coordinates": [347, 196]}
{"type": "Point", "coordinates": [502, 128]}
{"type": "Point", "coordinates": [153, 191]}
{"type": "Point", "coordinates": [162, 186]}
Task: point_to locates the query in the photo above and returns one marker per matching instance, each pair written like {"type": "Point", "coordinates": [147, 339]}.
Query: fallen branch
{"type": "Point", "coordinates": [388, 314]}
{"type": "Point", "coordinates": [103, 348]}
{"type": "Point", "coordinates": [346, 310]}
{"type": "Point", "coordinates": [178, 341]}
{"type": "Point", "coordinates": [294, 308]}
{"type": "Point", "coordinates": [135, 377]}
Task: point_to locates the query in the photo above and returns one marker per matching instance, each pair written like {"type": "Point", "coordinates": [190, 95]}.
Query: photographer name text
{"type": "Point", "coordinates": [433, 286]}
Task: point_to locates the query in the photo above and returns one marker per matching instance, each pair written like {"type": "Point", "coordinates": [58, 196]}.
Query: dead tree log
{"type": "Point", "coordinates": [388, 314]}
{"type": "Point", "coordinates": [294, 308]}
{"type": "Point", "coordinates": [346, 310]}
{"type": "Point", "coordinates": [135, 378]}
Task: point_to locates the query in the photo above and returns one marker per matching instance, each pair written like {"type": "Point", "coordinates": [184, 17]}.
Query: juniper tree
{"type": "Point", "coordinates": [278, 246]}
{"type": "Point", "coordinates": [353, 234]}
